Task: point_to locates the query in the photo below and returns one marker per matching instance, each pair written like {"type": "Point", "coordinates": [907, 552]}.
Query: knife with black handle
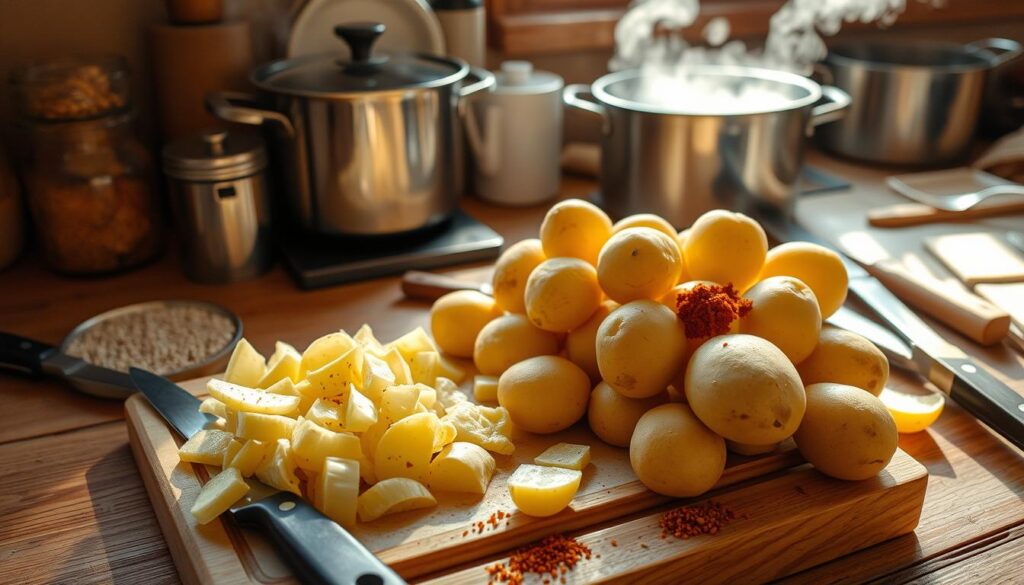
{"type": "Point", "coordinates": [941, 362]}
{"type": "Point", "coordinates": [319, 550]}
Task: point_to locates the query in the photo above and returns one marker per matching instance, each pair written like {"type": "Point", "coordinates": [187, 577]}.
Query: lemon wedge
{"type": "Point", "coordinates": [913, 412]}
{"type": "Point", "coordinates": [543, 491]}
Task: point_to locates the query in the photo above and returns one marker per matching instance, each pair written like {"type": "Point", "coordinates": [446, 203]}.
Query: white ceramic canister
{"type": "Point", "coordinates": [515, 133]}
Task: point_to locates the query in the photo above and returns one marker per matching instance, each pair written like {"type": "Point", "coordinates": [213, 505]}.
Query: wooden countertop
{"type": "Point", "coordinates": [73, 508]}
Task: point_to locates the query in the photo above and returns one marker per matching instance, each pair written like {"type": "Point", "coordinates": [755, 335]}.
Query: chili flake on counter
{"type": "Point", "coordinates": [550, 558]}
{"type": "Point", "coordinates": [704, 518]}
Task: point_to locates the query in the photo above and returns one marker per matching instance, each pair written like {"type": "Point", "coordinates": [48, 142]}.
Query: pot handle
{"type": "Point", "coordinates": [234, 106]}
{"type": "Point", "coordinates": [830, 111]}
{"type": "Point", "coordinates": [571, 97]}
{"type": "Point", "coordinates": [484, 82]}
{"type": "Point", "coordinates": [1003, 49]}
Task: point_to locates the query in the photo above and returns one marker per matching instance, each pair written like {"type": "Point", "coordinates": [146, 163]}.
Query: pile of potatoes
{"type": "Point", "coordinates": [583, 323]}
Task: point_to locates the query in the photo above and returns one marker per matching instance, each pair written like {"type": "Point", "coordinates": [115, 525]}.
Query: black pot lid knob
{"type": "Point", "coordinates": [360, 37]}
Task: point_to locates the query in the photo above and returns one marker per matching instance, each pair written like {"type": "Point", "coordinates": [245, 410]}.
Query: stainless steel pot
{"type": "Point", "coordinates": [679, 163]}
{"type": "Point", "coordinates": [367, 146]}
{"type": "Point", "coordinates": [913, 103]}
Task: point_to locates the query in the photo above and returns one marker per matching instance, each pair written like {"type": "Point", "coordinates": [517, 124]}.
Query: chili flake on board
{"type": "Point", "coordinates": [707, 310]}
{"type": "Point", "coordinates": [704, 518]}
{"type": "Point", "coordinates": [550, 558]}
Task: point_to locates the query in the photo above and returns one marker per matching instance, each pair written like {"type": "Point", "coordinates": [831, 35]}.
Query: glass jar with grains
{"type": "Point", "coordinates": [89, 181]}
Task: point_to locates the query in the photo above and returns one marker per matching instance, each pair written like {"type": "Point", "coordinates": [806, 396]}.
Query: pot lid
{"type": "Point", "coordinates": [326, 75]}
{"type": "Point", "coordinates": [215, 155]}
{"type": "Point", "coordinates": [519, 77]}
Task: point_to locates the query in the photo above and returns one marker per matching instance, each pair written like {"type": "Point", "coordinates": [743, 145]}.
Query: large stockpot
{"type": "Point", "coordinates": [367, 146]}
{"type": "Point", "coordinates": [913, 103]}
{"type": "Point", "coordinates": [679, 163]}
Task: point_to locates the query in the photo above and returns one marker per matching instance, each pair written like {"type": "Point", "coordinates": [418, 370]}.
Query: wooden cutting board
{"type": "Point", "coordinates": [431, 542]}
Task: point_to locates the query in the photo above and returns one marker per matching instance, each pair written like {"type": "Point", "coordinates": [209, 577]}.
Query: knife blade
{"type": "Point", "coordinates": [941, 362]}
{"type": "Point", "coordinates": [29, 356]}
{"type": "Point", "coordinates": [318, 549]}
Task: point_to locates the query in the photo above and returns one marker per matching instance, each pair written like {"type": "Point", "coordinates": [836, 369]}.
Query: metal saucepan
{"type": "Point", "coordinates": [368, 146]}
{"type": "Point", "coordinates": [28, 356]}
{"type": "Point", "coordinates": [913, 103]}
{"type": "Point", "coordinates": [679, 163]}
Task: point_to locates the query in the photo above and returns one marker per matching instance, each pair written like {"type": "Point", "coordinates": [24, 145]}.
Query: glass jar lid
{"type": "Point", "coordinates": [72, 89]}
{"type": "Point", "coordinates": [215, 155]}
{"type": "Point", "coordinates": [327, 76]}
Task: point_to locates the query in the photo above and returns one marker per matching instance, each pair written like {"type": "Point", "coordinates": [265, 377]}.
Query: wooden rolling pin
{"type": "Point", "coordinates": [908, 214]}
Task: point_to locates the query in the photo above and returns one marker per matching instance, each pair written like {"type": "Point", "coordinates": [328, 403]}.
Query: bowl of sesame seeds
{"type": "Point", "coordinates": [175, 339]}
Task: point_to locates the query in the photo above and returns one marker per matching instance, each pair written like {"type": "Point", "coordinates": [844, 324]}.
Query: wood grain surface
{"type": "Point", "coordinates": [54, 527]}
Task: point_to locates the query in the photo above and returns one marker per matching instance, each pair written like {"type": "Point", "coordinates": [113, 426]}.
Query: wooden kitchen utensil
{"type": "Point", "coordinates": [799, 511]}
{"type": "Point", "coordinates": [909, 214]}
{"type": "Point", "coordinates": [980, 257]}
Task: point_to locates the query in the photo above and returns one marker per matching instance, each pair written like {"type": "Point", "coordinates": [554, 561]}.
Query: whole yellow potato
{"type": "Point", "coordinates": [786, 313]}
{"type": "Point", "coordinates": [844, 357]}
{"type": "Point", "coordinates": [638, 263]}
{"type": "Point", "coordinates": [745, 389]}
{"type": "Point", "coordinates": [673, 453]}
{"type": "Point", "coordinates": [725, 247]}
{"type": "Point", "coordinates": [640, 348]}
{"type": "Point", "coordinates": [581, 343]}
{"type": "Point", "coordinates": [575, 228]}
{"type": "Point", "coordinates": [511, 271]}
{"type": "Point", "coordinates": [561, 294]}
{"type": "Point", "coordinates": [544, 394]}
{"type": "Point", "coordinates": [509, 339]}
{"type": "Point", "coordinates": [684, 274]}
{"type": "Point", "coordinates": [457, 318]}
{"type": "Point", "coordinates": [613, 417]}
{"type": "Point", "coordinates": [846, 432]}
{"type": "Point", "coordinates": [649, 220]}
{"type": "Point", "coordinates": [820, 268]}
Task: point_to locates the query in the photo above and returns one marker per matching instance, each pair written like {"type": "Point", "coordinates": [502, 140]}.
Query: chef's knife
{"type": "Point", "coordinates": [319, 550]}
{"type": "Point", "coordinates": [28, 356]}
{"type": "Point", "coordinates": [944, 364]}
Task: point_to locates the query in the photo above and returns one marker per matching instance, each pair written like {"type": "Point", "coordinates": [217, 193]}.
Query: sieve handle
{"type": "Point", "coordinates": [834, 107]}
{"type": "Point", "coordinates": [571, 97]}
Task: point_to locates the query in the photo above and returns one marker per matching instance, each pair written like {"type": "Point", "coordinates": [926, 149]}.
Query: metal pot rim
{"type": "Point", "coordinates": [834, 57]}
{"type": "Point", "coordinates": [600, 91]}
{"type": "Point", "coordinates": [260, 75]}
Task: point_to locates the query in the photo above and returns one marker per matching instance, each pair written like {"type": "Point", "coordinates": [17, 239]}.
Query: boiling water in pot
{"type": "Point", "coordinates": [646, 38]}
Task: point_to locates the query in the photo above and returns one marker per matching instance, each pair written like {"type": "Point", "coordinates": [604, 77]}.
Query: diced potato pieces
{"type": "Point", "coordinates": [335, 377]}
{"type": "Point", "coordinates": [485, 388]}
{"type": "Point", "coordinates": [565, 455]}
{"type": "Point", "coordinates": [246, 365]}
{"type": "Point", "coordinates": [206, 447]}
{"type": "Point", "coordinates": [312, 444]}
{"type": "Point", "coordinates": [413, 343]}
{"type": "Point", "coordinates": [279, 470]}
{"type": "Point", "coordinates": [543, 491]}
{"type": "Point", "coordinates": [390, 496]}
{"type": "Point", "coordinates": [427, 397]}
{"type": "Point", "coordinates": [449, 369]}
{"type": "Point", "coordinates": [264, 427]}
{"type": "Point", "coordinates": [325, 350]}
{"type": "Point", "coordinates": [230, 451]}
{"type": "Point", "coordinates": [448, 393]}
{"type": "Point", "coordinates": [281, 348]}
{"type": "Point", "coordinates": [481, 425]}
{"type": "Point", "coordinates": [398, 366]}
{"type": "Point", "coordinates": [338, 490]}
{"type": "Point", "coordinates": [398, 402]}
{"type": "Point", "coordinates": [219, 494]}
{"type": "Point", "coordinates": [327, 413]}
{"type": "Point", "coordinates": [286, 387]}
{"type": "Point", "coordinates": [377, 376]}
{"type": "Point", "coordinates": [424, 367]}
{"type": "Point", "coordinates": [284, 365]}
{"type": "Point", "coordinates": [371, 438]}
{"type": "Point", "coordinates": [461, 467]}
{"type": "Point", "coordinates": [368, 340]}
{"type": "Point", "coordinates": [367, 473]}
{"type": "Point", "coordinates": [360, 411]}
{"type": "Point", "coordinates": [252, 400]}
{"type": "Point", "coordinates": [405, 448]}
{"type": "Point", "coordinates": [251, 456]}
{"type": "Point", "coordinates": [214, 407]}
{"type": "Point", "coordinates": [230, 421]}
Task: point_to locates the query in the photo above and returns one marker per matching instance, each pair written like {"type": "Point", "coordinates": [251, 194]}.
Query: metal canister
{"type": "Point", "coordinates": [218, 190]}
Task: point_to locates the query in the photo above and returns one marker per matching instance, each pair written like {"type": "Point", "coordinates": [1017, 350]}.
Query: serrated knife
{"type": "Point", "coordinates": [941, 362]}
{"type": "Point", "coordinates": [317, 548]}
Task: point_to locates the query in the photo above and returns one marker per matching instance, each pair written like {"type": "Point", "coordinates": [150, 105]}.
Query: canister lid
{"type": "Point", "coordinates": [519, 77]}
{"type": "Point", "coordinates": [215, 155]}
{"type": "Point", "coordinates": [326, 75]}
